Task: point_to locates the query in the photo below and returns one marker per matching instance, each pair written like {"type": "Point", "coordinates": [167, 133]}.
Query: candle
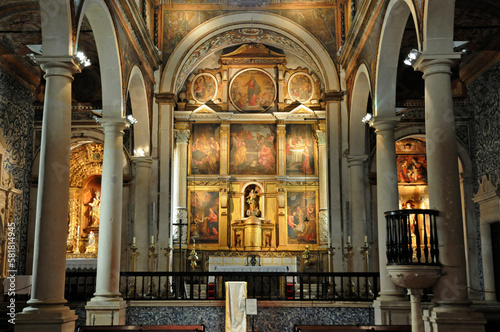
{"type": "Point", "coordinates": [133, 241]}
{"type": "Point", "coordinates": [366, 239]}
{"type": "Point", "coordinates": [152, 239]}
{"type": "Point", "coordinates": [78, 231]}
{"type": "Point", "coordinates": [349, 239]}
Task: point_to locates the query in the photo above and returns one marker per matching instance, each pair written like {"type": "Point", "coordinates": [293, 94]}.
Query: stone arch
{"type": "Point", "coordinates": [393, 28]}
{"type": "Point", "coordinates": [359, 101]}
{"type": "Point", "coordinates": [288, 28]}
{"type": "Point", "coordinates": [109, 55]}
{"type": "Point", "coordinates": [140, 110]}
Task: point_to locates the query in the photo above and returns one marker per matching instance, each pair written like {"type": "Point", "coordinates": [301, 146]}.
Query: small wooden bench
{"type": "Point", "coordinates": [151, 328]}
{"type": "Point", "coordinates": [350, 328]}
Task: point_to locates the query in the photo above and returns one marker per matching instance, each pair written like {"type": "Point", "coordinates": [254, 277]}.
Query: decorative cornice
{"type": "Point", "coordinates": [131, 17]}
{"type": "Point", "coordinates": [333, 96]}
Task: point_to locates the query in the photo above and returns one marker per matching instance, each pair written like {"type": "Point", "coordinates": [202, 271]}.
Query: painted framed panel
{"type": "Point", "coordinates": [204, 216]}
{"type": "Point", "coordinates": [412, 169]}
{"type": "Point", "coordinates": [300, 149]}
{"type": "Point", "coordinates": [253, 149]}
{"type": "Point", "coordinates": [252, 89]}
{"type": "Point", "coordinates": [300, 87]}
{"type": "Point", "coordinates": [204, 87]}
{"type": "Point", "coordinates": [301, 217]}
{"type": "Point", "coordinates": [205, 149]}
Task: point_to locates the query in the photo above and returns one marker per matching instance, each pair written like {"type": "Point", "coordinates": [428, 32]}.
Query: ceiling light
{"type": "Point", "coordinates": [82, 58]}
{"type": "Point", "coordinates": [367, 118]}
{"type": "Point", "coordinates": [131, 120]}
{"type": "Point", "coordinates": [412, 57]}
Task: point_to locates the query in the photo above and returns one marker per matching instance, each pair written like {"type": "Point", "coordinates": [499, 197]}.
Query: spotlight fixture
{"type": "Point", "coordinates": [412, 57]}
{"type": "Point", "coordinates": [131, 120]}
{"type": "Point", "coordinates": [367, 118]}
{"type": "Point", "coordinates": [82, 58]}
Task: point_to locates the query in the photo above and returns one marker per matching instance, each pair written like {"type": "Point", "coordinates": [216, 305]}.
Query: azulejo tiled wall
{"type": "Point", "coordinates": [269, 319]}
{"type": "Point", "coordinates": [16, 122]}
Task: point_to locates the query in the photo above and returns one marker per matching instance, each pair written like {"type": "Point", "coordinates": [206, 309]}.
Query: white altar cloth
{"type": "Point", "coordinates": [236, 318]}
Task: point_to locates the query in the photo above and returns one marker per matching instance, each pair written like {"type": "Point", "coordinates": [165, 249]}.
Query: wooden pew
{"type": "Point", "coordinates": [151, 328]}
{"type": "Point", "coordinates": [350, 328]}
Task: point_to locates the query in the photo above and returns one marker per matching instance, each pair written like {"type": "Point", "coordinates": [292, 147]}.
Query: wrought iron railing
{"type": "Point", "coordinates": [79, 285]}
{"type": "Point", "coordinates": [200, 286]}
{"type": "Point", "coordinates": [412, 237]}
{"type": "Point", "coordinates": [272, 286]}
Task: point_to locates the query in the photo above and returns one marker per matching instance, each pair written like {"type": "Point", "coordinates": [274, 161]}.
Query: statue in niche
{"type": "Point", "coordinates": [252, 200]}
{"type": "Point", "coordinates": [95, 210]}
{"type": "Point", "coordinates": [238, 241]}
{"type": "Point", "coordinates": [92, 245]}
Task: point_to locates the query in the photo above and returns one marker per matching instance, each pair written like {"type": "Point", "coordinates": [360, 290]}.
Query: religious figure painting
{"type": "Point", "coordinates": [301, 217]}
{"type": "Point", "coordinates": [300, 87]}
{"type": "Point", "coordinates": [204, 88]}
{"type": "Point", "coordinates": [205, 149]}
{"type": "Point", "coordinates": [412, 169]}
{"type": "Point", "coordinates": [252, 90]}
{"type": "Point", "coordinates": [253, 149]}
{"type": "Point", "coordinates": [204, 217]}
{"type": "Point", "coordinates": [299, 150]}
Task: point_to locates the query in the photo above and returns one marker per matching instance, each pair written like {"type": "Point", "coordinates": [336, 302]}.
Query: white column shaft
{"type": "Point", "coordinates": [387, 197]}
{"type": "Point", "coordinates": [443, 178]}
{"type": "Point", "coordinates": [358, 209]}
{"type": "Point", "coordinates": [108, 258]}
{"type": "Point", "coordinates": [142, 209]}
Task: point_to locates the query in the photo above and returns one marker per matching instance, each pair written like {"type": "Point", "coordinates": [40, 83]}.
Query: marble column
{"type": "Point", "coordinates": [164, 155]}
{"type": "Point", "coordinates": [179, 195]}
{"type": "Point", "coordinates": [142, 208]}
{"type": "Point", "coordinates": [358, 209]}
{"type": "Point", "coordinates": [488, 199]}
{"type": "Point", "coordinates": [47, 310]}
{"type": "Point", "coordinates": [450, 291]}
{"type": "Point", "coordinates": [391, 306]}
{"type": "Point", "coordinates": [107, 307]}
{"type": "Point", "coordinates": [323, 221]}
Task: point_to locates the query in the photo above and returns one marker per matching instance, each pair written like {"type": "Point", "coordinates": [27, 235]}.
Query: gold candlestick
{"type": "Point", "coordinates": [134, 254]}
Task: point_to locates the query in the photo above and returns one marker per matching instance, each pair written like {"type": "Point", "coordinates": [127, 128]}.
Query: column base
{"type": "Point", "coordinates": [453, 319]}
{"type": "Point", "coordinates": [392, 312]}
{"type": "Point", "coordinates": [103, 311]}
{"type": "Point", "coordinates": [54, 319]}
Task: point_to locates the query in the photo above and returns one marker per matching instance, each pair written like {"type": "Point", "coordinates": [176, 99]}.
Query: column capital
{"type": "Point", "coordinates": [143, 161]}
{"type": "Point", "coordinates": [182, 136]}
{"type": "Point", "coordinates": [165, 98]}
{"type": "Point", "coordinates": [321, 137]}
{"type": "Point", "coordinates": [357, 160]}
{"type": "Point", "coordinates": [384, 123]}
{"type": "Point", "coordinates": [113, 124]}
{"type": "Point", "coordinates": [333, 96]}
{"type": "Point", "coordinates": [436, 63]}
{"type": "Point", "coordinates": [58, 66]}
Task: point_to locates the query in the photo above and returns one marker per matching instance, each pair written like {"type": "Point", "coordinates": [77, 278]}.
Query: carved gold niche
{"type": "Point", "coordinates": [84, 200]}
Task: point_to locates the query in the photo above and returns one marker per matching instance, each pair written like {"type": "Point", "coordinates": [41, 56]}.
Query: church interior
{"type": "Point", "coordinates": [336, 159]}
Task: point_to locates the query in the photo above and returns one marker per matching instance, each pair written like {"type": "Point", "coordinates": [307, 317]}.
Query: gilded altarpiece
{"type": "Point", "coordinates": [84, 200]}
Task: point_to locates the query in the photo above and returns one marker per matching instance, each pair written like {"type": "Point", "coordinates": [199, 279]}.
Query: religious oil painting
{"type": "Point", "coordinates": [253, 149]}
{"type": "Point", "coordinates": [252, 90]}
{"type": "Point", "coordinates": [412, 169]}
{"type": "Point", "coordinates": [300, 87]}
{"type": "Point", "coordinates": [411, 161]}
{"type": "Point", "coordinates": [300, 150]}
{"type": "Point", "coordinates": [301, 217]}
{"type": "Point", "coordinates": [205, 149]}
{"type": "Point", "coordinates": [204, 217]}
{"type": "Point", "coordinates": [204, 88]}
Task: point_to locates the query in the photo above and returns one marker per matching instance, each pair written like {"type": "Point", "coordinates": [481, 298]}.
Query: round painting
{"type": "Point", "coordinates": [300, 87]}
{"type": "Point", "coordinates": [252, 90]}
{"type": "Point", "coordinates": [204, 88]}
